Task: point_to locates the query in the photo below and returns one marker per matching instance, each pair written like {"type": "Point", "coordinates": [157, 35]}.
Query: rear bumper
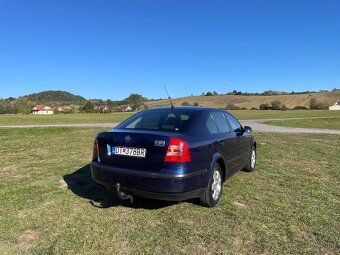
{"type": "Point", "coordinates": [172, 187]}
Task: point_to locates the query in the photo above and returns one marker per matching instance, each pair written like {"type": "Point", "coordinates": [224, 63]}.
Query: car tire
{"type": "Point", "coordinates": [212, 194]}
{"type": "Point", "coordinates": [251, 165]}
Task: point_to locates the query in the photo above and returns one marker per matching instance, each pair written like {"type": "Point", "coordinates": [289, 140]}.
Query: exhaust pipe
{"type": "Point", "coordinates": [122, 195]}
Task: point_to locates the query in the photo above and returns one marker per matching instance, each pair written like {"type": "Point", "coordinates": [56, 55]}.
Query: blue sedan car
{"type": "Point", "coordinates": [173, 154]}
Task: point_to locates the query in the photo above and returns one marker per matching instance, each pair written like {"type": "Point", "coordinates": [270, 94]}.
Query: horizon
{"type": "Point", "coordinates": [166, 97]}
{"type": "Point", "coordinates": [109, 50]}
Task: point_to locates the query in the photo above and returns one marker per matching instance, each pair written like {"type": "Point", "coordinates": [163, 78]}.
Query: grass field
{"type": "Point", "coordinates": [118, 117]}
{"type": "Point", "coordinates": [49, 204]}
{"type": "Point", "coordinates": [30, 119]}
{"type": "Point", "coordinates": [327, 123]}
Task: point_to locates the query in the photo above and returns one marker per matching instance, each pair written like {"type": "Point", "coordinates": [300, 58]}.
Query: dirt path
{"type": "Point", "coordinates": [259, 126]}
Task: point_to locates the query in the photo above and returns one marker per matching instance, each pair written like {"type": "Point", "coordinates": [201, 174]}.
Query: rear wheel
{"type": "Point", "coordinates": [250, 167]}
{"type": "Point", "coordinates": [211, 196]}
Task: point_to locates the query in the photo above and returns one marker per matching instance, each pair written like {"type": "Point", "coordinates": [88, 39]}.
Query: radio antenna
{"type": "Point", "coordinates": [172, 106]}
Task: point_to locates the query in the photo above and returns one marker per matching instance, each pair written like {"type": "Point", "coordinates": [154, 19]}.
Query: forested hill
{"type": "Point", "coordinates": [53, 96]}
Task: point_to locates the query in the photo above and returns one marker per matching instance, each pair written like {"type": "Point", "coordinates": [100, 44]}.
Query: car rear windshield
{"type": "Point", "coordinates": [160, 120]}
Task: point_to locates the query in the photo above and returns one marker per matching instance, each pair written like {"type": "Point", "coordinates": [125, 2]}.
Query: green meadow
{"type": "Point", "coordinates": [50, 205]}
{"type": "Point", "coordinates": [325, 123]}
{"type": "Point", "coordinates": [17, 119]}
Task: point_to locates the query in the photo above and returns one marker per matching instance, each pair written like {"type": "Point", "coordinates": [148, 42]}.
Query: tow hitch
{"type": "Point", "coordinates": [122, 195]}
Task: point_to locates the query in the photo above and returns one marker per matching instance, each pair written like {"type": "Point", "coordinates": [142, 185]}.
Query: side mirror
{"type": "Point", "coordinates": [247, 129]}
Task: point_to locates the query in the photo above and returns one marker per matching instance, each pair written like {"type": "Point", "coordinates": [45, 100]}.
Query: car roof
{"type": "Point", "coordinates": [192, 108]}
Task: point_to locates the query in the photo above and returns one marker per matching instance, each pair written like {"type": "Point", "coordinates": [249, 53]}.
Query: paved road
{"type": "Point", "coordinates": [256, 125]}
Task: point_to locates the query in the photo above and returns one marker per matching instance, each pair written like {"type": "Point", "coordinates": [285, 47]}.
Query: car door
{"type": "Point", "coordinates": [244, 139]}
{"type": "Point", "coordinates": [226, 141]}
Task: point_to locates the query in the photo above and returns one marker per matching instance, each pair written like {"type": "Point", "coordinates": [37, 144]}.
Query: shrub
{"type": "Point", "coordinates": [276, 105]}
{"type": "Point", "coordinates": [300, 107]}
{"type": "Point", "coordinates": [185, 104]}
{"type": "Point", "coordinates": [315, 104]}
{"type": "Point", "coordinates": [265, 106]}
{"type": "Point", "coordinates": [196, 104]}
{"type": "Point", "coordinates": [253, 108]}
{"type": "Point", "coordinates": [232, 107]}
{"type": "Point", "coordinates": [284, 107]}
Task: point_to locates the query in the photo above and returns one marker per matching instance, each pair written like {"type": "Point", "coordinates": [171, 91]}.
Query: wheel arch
{"type": "Point", "coordinates": [254, 144]}
{"type": "Point", "coordinates": [217, 158]}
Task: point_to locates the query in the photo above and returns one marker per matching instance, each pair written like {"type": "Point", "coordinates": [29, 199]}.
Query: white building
{"type": "Point", "coordinates": [336, 106]}
{"type": "Point", "coordinates": [102, 108]}
{"type": "Point", "coordinates": [42, 109]}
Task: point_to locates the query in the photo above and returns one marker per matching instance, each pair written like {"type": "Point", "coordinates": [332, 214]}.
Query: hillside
{"type": "Point", "coordinates": [253, 101]}
{"type": "Point", "coordinates": [54, 96]}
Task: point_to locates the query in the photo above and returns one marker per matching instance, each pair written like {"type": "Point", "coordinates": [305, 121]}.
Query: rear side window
{"type": "Point", "coordinates": [161, 120]}
{"type": "Point", "coordinates": [221, 123]}
{"type": "Point", "coordinates": [235, 125]}
{"type": "Point", "coordinates": [211, 125]}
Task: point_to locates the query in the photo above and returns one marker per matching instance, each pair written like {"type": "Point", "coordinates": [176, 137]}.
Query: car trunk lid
{"type": "Point", "coordinates": [155, 144]}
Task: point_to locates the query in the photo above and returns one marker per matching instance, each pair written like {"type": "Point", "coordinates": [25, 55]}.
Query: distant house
{"type": "Point", "coordinates": [336, 106]}
{"type": "Point", "coordinates": [125, 108]}
{"type": "Point", "coordinates": [102, 108]}
{"type": "Point", "coordinates": [42, 109]}
{"type": "Point", "coordinates": [59, 109]}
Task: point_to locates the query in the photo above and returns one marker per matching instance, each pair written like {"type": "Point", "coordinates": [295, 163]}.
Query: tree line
{"type": "Point", "coordinates": [21, 105]}
{"type": "Point", "coordinates": [135, 101]}
{"type": "Point", "coordinates": [25, 106]}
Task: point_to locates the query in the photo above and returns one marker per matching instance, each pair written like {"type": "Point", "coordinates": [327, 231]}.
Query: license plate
{"type": "Point", "coordinates": [126, 151]}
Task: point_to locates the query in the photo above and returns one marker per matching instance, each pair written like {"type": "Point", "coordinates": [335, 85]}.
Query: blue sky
{"type": "Point", "coordinates": [109, 49]}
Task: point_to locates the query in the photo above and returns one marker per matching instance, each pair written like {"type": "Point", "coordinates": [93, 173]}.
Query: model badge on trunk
{"type": "Point", "coordinates": [159, 143]}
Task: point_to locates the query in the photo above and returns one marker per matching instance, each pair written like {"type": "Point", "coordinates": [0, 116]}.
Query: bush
{"type": "Point", "coordinates": [196, 104]}
{"type": "Point", "coordinates": [265, 107]}
{"type": "Point", "coordinates": [276, 105]}
{"type": "Point", "coordinates": [284, 107]}
{"type": "Point", "coordinates": [299, 107]}
{"type": "Point", "coordinates": [315, 104]}
{"type": "Point", "coordinates": [185, 104]}
{"type": "Point", "coordinates": [232, 107]}
{"type": "Point", "coordinates": [253, 108]}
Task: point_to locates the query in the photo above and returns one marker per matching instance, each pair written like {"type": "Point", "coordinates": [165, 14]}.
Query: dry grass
{"type": "Point", "coordinates": [27, 238]}
{"type": "Point", "coordinates": [253, 101]}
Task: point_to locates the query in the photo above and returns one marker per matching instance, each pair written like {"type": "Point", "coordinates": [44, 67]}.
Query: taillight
{"type": "Point", "coordinates": [178, 151]}
{"type": "Point", "coordinates": [95, 156]}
